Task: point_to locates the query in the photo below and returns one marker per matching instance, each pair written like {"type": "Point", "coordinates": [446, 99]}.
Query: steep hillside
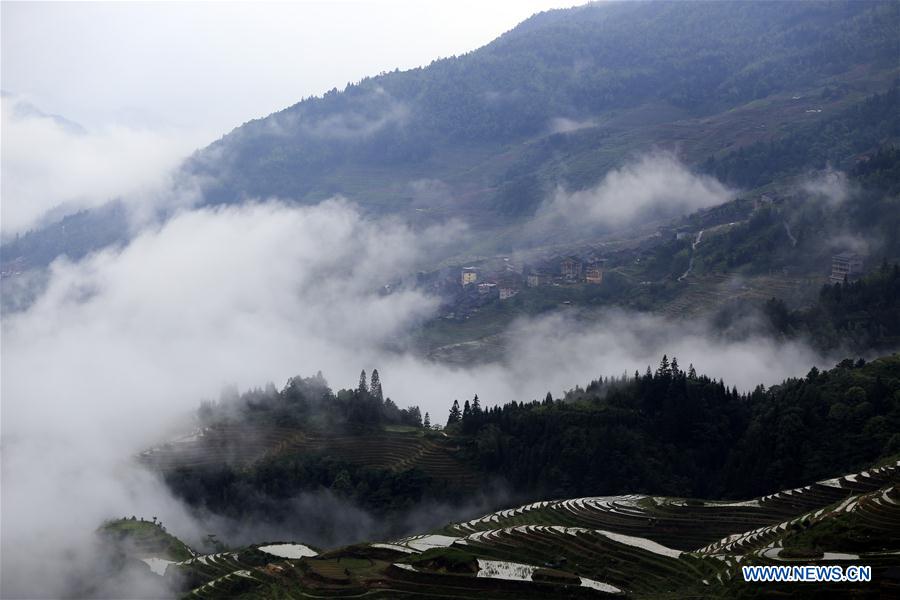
{"type": "Point", "coordinates": [559, 100]}
{"type": "Point", "coordinates": [621, 546]}
{"type": "Point", "coordinates": [671, 432]}
{"type": "Point", "coordinates": [751, 93]}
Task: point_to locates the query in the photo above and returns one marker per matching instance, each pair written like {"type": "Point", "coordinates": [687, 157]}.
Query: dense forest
{"type": "Point", "coordinates": [308, 403]}
{"type": "Point", "coordinates": [672, 431]}
{"type": "Point", "coordinates": [669, 431]}
{"type": "Point", "coordinates": [862, 314]}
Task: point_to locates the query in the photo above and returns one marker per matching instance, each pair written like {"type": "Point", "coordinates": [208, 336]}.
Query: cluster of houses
{"type": "Point", "coordinates": [508, 283]}
{"type": "Point", "coordinates": [571, 269]}
{"type": "Point", "coordinates": [505, 284]}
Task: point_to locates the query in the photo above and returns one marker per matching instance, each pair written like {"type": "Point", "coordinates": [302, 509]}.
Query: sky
{"type": "Point", "coordinates": [205, 68]}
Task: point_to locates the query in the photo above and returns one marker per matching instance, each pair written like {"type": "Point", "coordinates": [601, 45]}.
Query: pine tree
{"type": "Point", "coordinates": [363, 387]}
{"type": "Point", "coordinates": [476, 405]}
{"type": "Point", "coordinates": [674, 366]}
{"type": "Point", "coordinates": [663, 366]}
{"type": "Point", "coordinates": [455, 415]}
{"type": "Point", "coordinates": [427, 422]}
{"type": "Point", "coordinates": [692, 374]}
{"type": "Point", "coordinates": [548, 399]}
{"type": "Point", "coordinates": [375, 386]}
{"type": "Point", "coordinates": [467, 410]}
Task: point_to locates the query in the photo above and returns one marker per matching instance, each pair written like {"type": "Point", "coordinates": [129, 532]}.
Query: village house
{"type": "Point", "coordinates": [536, 279]}
{"type": "Point", "coordinates": [469, 275]}
{"type": "Point", "coordinates": [594, 274]}
{"type": "Point", "coordinates": [846, 265]}
{"type": "Point", "coordinates": [509, 285]}
{"type": "Point", "coordinates": [570, 268]}
{"type": "Point", "coordinates": [507, 291]}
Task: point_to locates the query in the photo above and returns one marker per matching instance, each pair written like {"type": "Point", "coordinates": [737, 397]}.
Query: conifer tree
{"type": "Point", "coordinates": [375, 386]}
{"type": "Point", "coordinates": [363, 387]}
{"type": "Point", "coordinates": [455, 415]}
{"type": "Point", "coordinates": [467, 410]}
{"type": "Point", "coordinates": [476, 405]}
{"type": "Point", "coordinates": [427, 422]}
{"type": "Point", "coordinates": [663, 369]}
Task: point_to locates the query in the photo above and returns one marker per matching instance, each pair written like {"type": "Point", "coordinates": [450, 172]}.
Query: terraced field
{"type": "Point", "coordinates": [623, 546]}
{"type": "Point", "coordinates": [703, 293]}
{"type": "Point", "coordinates": [243, 446]}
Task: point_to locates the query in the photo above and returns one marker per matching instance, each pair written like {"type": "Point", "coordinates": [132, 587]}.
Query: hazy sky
{"type": "Point", "coordinates": [204, 68]}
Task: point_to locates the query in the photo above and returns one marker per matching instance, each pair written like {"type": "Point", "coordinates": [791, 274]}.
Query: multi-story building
{"type": "Point", "coordinates": [845, 266]}
{"type": "Point", "coordinates": [570, 268]}
{"type": "Point", "coordinates": [594, 274]}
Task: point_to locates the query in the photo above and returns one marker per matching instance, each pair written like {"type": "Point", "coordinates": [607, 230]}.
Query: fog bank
{"type": "Point", "coordinates": [126, 342]}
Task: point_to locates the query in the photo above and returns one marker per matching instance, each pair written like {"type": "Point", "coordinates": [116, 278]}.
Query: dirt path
{"type": "Point", "coordinates": [694, 245]}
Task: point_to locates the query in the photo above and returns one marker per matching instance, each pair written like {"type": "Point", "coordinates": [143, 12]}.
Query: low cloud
{"type": "Point", "coordinates": [849, 242]}
{"type": "Point", "coordinates": [52, 167]}
{"type": "Point", "coordinates": [828, 186]}
{"type": "Point", "coordinates": [126, 342]}
{"type": "Point", "coordinates": [365, 112]}
{"type": "Point", "coordinates": [564, 125]}
{"type": "Point", "coordinates": [120, 347]}
{"type": "Point", "coordinates": [654, 186]}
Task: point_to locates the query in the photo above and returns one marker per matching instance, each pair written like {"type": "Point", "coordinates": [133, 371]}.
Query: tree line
{"type": "Point", "coordinates": [672, 431]}
{"type": "Point", "coordinates": [309, 403]}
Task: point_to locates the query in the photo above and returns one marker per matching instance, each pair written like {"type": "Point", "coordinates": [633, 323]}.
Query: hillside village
{"type": "Point", "coordinates": [660, 261]}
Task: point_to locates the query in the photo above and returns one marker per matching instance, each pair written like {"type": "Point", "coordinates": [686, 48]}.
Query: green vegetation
{"type": "Point", "coordinates": [145, 538]}
{"type": "Point", "coordinates": [446, 560]}
{"type": "Point", "coordinates": [488, 116]}
{"type": "Point", "coordinates": [679, 433]}
{"type": "Point", "coordinates": [671, 431]}
{"type": "Point", "coordinates": [631, 546]}
{"type": "Point", "coordinates": [266, 490]}
{"type": "Point", "coordinates": [856, 130]}
{"type": "Point", "coordinates": [847, 532]}
{"type": "Point", "coordinates": [860, 315]}
{"type": "Point", "coordinates": [309, 403]}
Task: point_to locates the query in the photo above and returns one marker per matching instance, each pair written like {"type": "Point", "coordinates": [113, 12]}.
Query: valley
{"type": "Point", "coordinates": [621, 287]}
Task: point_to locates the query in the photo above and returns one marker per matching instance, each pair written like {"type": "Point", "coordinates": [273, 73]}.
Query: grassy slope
{"type": "Point", "coordinates": [146, 538]}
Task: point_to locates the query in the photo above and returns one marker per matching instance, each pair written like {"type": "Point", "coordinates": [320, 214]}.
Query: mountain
{"type": "Point", "coordinates": [563, 98]}
{"type": "Point", "coordinates": [752, 93]}
{"type": "Point", "coordinates": [633, 546]}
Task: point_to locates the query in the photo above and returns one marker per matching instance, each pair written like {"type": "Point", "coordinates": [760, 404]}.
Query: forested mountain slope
{"type": "Point", "coordinates": [749, 92]}
{"type": "Point", "coordinates": [671, 432]}
{"type": "Point", "coordinates": [560, 99]}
